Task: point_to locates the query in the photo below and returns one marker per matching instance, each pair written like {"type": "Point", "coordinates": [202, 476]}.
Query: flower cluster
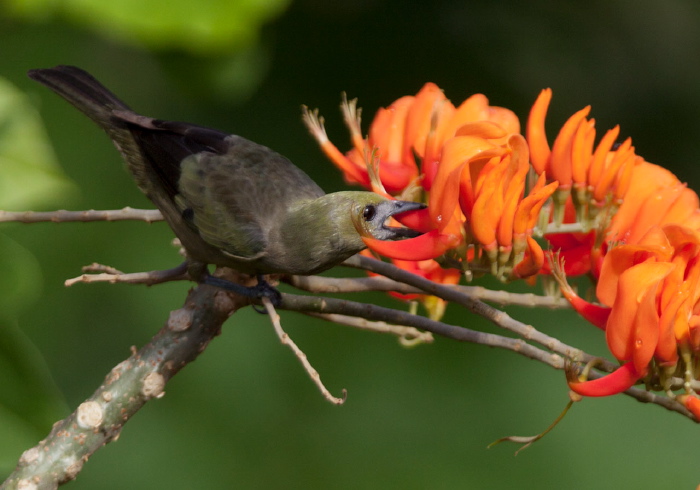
{"type": "Point", "coordinates": [511, 205]}
{"type": "Point", "coordinates": [468, 163]}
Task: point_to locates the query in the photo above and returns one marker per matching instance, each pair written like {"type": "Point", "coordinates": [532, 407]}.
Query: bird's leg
{"type": "Point", "coordinates": [261, 290]}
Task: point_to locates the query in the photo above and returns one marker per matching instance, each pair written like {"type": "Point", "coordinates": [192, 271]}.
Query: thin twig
{"type": "Point", "coordinates": [553, 228]}
{"type": "Point", "coordinates": [63, 216]}
{"type": "Point", "coordinates": [499, 318]}
{"type": "Point", "coordinates": [323, 284]}
{"type": "Point", "coordinates": [506, 298]}
{"type": "Point", "coordinates": [378, 313]}
{"type": "Point", "coordinates": [408, 336]}
{"type": "Point", "coordinates": [113, 276]}
{"type": "Point", "coordinates": [287, 340]}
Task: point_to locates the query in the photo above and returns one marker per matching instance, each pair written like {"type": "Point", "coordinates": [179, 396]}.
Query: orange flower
{"type": "Point", "coordinates": [656, 197]}
{"type": "Point", "coordinates": [478, 193]}
{"type": "Point", "coordinates": [598, 179]}
{"type": "Point", "coordinates": [614, 192]}
{"type": "Point", "coordinates": [422, 126]}
{"type": "Point", "coordinates": [411, 126]}
{"type": "Point", "coordinates": [651, 291]}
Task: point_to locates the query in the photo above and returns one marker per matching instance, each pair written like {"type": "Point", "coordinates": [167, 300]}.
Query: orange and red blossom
{"type": "Point", "coordinates": [655, 198]}
{"type": "Point", "coordinates": [651, 291]}
{"type": "Point", "coordinates": [594, 178]}
{"type": "Point", "coordinates": [412, 126]}
{"type": "Point", "coordinates": [479, 194]}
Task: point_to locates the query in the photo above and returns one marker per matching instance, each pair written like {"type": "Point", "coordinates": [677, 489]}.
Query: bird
{"type": "Point", "coordinates": [230, 201]}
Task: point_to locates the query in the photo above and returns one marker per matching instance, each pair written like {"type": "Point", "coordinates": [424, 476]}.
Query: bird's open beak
{"type": "Point", "coordinates": [396, 208]}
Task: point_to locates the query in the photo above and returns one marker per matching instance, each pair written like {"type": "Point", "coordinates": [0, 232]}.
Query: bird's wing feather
{"type": "Point", "coordinates": [232, 190]}
{"type": "Point", "coordinates": [249, 189]}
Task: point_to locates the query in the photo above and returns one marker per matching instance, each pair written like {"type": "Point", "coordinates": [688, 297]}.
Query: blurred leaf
{"type": "Point", "coordinates": [29, 400]}
{"type": "Point", "coordinates": [16, 437]}
{"type": "Point", "coordinates": [20, 278]}
{"type": "Point", "coordinates": [29, 174]}
{"type": "Point", "coordinates": [205, 26]}
{"type": "Point", "coordinates": [230, 78]}
{"type": "Point", "coordinates": [29, 177]}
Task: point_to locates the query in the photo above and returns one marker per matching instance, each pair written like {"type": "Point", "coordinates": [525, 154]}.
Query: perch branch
{"type": "Point", "coordinates": [322, 284]}
{"type": "Point", "coordinates": [499, 318]}
{"type": "Point", "coordinates": [63, 216]}
{"type": "Point", "coordinates": [140, 378]}
{"type": "Point", "coordinates": [408, 336]}
{"type": "Point", "coordinates": [381, 314]}
{"type": "Point", "coordinates": [111, 275]}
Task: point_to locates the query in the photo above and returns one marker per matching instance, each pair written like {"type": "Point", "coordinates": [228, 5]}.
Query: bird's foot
{"type": "Point", "coordinates": [261, 290]}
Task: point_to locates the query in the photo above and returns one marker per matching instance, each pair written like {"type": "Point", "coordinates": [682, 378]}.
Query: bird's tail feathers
{"type": "Point", "coordinates": [82, 90]}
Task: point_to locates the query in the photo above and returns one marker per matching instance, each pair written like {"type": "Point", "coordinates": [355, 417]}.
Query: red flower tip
{"type": "Point", "coordinates": [616, 382]}
{"type": "Point", "coordinates": [418, 220]}
{"type": "Point", "coordinates": [427, 246]}
{"type": "Point", "coordinates": [692, 403]}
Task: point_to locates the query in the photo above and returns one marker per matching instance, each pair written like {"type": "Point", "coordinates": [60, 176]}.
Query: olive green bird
{"type": "Point", "coordinates": [230, 201]}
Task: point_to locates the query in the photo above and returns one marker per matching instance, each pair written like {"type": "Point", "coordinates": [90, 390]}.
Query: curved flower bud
{"type": "Point", "coordinates": [426, 246]}
{"type": "Point", "coordinates": [616, 382]}
{"type": "Point", "coordinates": [692, 403]}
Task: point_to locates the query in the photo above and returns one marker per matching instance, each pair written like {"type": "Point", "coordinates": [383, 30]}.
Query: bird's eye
{"type": "Point", "coordinates": [369, 212]}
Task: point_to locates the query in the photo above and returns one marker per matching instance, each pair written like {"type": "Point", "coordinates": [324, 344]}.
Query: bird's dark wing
{"type": "Point", "coordinates": [212, 188]}
{"type": "Point", "coordinates": [164, 145]}
{"type": "Point", "coordinates": [230, 189]}
{"type": "Point", "coordinates": [238, 196]}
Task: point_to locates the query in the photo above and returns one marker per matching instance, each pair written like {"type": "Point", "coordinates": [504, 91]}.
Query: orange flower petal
{"type": "Point", "coordinates": [622, 155]}
{"type": "Point", "coordinates": [582, 151]}
{"type": "Point", "coordinates": [536, 135]}
{"type": "Point", "coordinates": [646, 180]}
{"type": "Point", "coordinates": [352, 172]}
{"type": "Point", "coordinates": [475, 108]}
{"type": "Point", "coordinates": [488, 208]}
{"type": "Point", "coordinates": [595, 314]}
{"type": "Point", "coordinates": [520, 165]}
{"type": "Point", "coordinates": [455, 153]}
{"type": "Point", "coordinates": [646, 330]}
{"type": "Point", "coordinates": [600, 155]}
{"type": "Point", "coordinates": [532, 263]}
{"type": "Point", "coordinates": [419, 118]}
{"type": "Point", "coordinates": [623, 258]}
{"type": "Point", "coordinates": [559, 167]}
{"type": "Point", "coordinates": [481, 129]}
{"type": "Point", "coordinates": [505, 118]}
{"type": "Point", "coordinates": [632, 330]}
{"type": "Point", "coordinates": [529, 208]}
{"type": "Point", "coordinates": [666, 352]}
{"type": "Point", "coordinates": [396, 176]}
{"type": "Point", "coordinates": [388, 128]}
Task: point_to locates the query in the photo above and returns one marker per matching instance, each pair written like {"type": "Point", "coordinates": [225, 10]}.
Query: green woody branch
{"type": "Point", "coordinates": [140, 378]}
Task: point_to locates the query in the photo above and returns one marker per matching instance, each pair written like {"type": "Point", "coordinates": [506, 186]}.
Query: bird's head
{"type": "Point", "coordinates": [372, 212]}
{"type": "Point", "coordinates": [322, 232]}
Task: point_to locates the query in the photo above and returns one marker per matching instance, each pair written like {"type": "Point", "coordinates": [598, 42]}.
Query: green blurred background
{"type": "Point", "coordinates": [245, 415]}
